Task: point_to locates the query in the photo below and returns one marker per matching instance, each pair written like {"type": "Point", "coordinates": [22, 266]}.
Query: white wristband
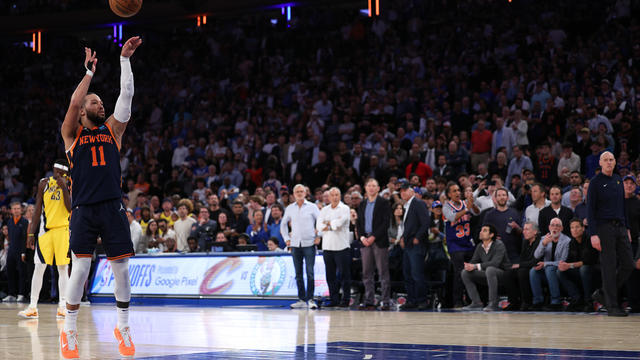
{"type": "Point", "coordinates": [89, 72]}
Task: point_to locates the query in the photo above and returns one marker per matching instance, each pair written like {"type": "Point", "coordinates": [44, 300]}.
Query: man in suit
{"type": "Point", "coordinates": [502, 137]}
{"type": "Point", "coordinates": [373, 222]}
{"type": "Point", "coordinates": [413, 241]}
{"type": "Point", "coordinates": [443, 169]}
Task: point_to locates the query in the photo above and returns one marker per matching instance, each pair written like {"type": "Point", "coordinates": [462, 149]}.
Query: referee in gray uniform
{"type": "Point", "coordinates": [609, 230]}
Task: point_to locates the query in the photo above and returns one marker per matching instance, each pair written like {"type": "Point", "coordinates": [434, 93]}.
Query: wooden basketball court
{"type": "Point", "coordinates": [184, 332]}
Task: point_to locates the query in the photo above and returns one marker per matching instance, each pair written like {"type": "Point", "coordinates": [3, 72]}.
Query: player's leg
{"type": "Point", "coordinates": [116, 239]}
{"type": "Point", "coordinates": [42, 256]}
{"type": "Point", "coordinates": [61, 249]}
{"type": "Point", "coordinates": [82, 243]}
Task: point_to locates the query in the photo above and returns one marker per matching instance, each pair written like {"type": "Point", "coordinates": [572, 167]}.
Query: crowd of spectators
{"type": "Point", "coordinates": [230, 116]}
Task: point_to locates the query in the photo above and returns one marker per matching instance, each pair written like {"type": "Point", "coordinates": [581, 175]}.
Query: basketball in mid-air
{"type": "Point", "coordinates": [125, 8]}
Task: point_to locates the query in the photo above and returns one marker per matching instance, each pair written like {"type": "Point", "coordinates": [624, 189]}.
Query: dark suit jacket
{"type": "Point", "coordinates": [547, 214]}
{"type": "Point", "coordinates": [416, 223]}
{"type": "Point", "coordinates": [380, 223]}
{"type": "Point", "coordinates": [447, 172]}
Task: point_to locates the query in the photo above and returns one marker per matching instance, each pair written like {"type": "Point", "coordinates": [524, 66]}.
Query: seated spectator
{"type": "Point", "coordinates": [169, 245]}
{"type": "Point", "coordinates": [204, 230]}
{"type": "Point", "coordinates": [192, 242]}
{"type": "Point", "coordinates": [222, 243]}
{"type": "Point", "coordinates": [151, 238]}
{"type": "Point", "coordinates": [238, 221]}
{"type": "Point", "coordinates": [487, 266]}
{"type": "Point", "coordinates": [273, 244]}
{"type": "Point", "coordinates": [530, 241]}
{"type": "Point", "coordinates": [258, 231]}
{"type": "Point", "coordinates": [553, 248]}
{"type": "Point", "coordinates": [273, 228]}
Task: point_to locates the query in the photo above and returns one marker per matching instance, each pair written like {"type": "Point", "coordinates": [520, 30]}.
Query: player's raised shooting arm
{"type": "Point", "coordinates": [122, 112]}
{"type": "Point", "coordinates": [71, 119]}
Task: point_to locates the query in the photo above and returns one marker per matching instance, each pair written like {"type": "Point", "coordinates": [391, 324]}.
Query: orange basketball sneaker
{"type": "Point", "coordinates": [69, 344]}
{"type": "Point", "coordinates": [61, 313]}
{"type": "Point", "coordinates": [125, 345]}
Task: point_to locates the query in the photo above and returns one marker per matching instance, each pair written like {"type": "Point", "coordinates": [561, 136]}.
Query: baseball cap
{"type": "Point", "coordinates": [417, 190]}
{"type": "Point", "coordinates": [404, 183]}
{"type": "Point", "coordinates": [446, 123]}
{"type": "Point", "coordinates": [629, 177]}
{"type": "Point", "coordinates": [436, 204]}
{"type": "Point", "coordinates": [585, 130]}
{"type": "Point", "coordinates": [284, 188]}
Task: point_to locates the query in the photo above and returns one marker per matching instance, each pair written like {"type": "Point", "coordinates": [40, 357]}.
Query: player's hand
{"type": "Point", "coordinates": [31, 242]}
{"type": "Point", "coordinates": [61, 182]}
{"type": "Point", "coordinates": [317, 241]}
{"type": "Point", "coordinates": [595, 242]}
{"type": "Point", "coordinates": [90, 60]}
{"type": "Point", "coordinates": [130, 46]}
{"type": "Point", "coordinates": [402, 243]}
{"type": "Point", "coordinates": [416, 241]}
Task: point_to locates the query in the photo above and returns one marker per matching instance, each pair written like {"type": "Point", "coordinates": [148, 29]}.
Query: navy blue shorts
{"type": "Point", "coordinates": [107, 220]}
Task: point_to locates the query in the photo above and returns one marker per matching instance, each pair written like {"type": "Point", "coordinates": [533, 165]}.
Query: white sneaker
{"type": "Point", "coordinates": [9, 298]}
{"type": "Point", "coordinates": [299, 305]}
{"type": "Point", "coordinates": [312, 304]}
{"type": "Point", "coordinates": [21, 298]}
{"type": "Point", "coordinates": [29, 313]}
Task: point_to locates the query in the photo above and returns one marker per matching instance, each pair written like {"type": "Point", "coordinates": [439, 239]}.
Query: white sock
{"type": "Point", "coordinates": [123, 317]}
{"type": "Point", "coordinates": [70, 320]}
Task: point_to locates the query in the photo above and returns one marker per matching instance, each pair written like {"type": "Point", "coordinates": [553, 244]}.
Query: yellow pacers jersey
{"type": "Point", "coordinates": [55, 213]}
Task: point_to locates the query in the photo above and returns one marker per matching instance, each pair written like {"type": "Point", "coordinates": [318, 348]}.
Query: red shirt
{"type": "Point", "coordinates": [423, 170]}
{"type": "Point", "coordinates": [481, 141]}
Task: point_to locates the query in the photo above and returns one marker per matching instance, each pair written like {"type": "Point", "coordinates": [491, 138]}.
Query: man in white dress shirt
{"type": "Point", "coordinates": [302, 241]}
{"type": "Point", "coordinates": [333, 225]}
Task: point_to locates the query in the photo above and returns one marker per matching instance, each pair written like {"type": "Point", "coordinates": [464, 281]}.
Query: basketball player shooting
{"type": "Point", "coordinates": [93, 150]}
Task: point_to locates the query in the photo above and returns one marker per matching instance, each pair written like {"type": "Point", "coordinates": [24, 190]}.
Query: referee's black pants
{"type": "Point", "coordinates": [616, 259]}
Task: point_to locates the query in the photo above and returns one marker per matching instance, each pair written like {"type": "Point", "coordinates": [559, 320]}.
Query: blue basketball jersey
{"type": "Point", "coordinates": [94, 160]}
{"type": "Point", "coordinates": [458, 233]}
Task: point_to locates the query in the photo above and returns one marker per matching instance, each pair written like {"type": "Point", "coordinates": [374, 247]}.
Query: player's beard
{"type": "Point", "coordinates": [96, 119]}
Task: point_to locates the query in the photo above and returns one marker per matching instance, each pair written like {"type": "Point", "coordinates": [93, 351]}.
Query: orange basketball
{"type": "Point", "coordinates": [125, 8]}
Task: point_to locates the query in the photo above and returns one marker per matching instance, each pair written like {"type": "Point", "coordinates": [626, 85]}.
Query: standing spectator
{"type": "Point", "coordinates": [502, 137]}
{"type": "Point", "coordinates": [546, 166]}
{"type": "Point", "coordinates": [569, 161]}
{"type": "Point", "coordinates": [373, 224]}
{"type": "Point", "coordinates": [413, 241]}
{"type": "Point", "coordinates": [487, 266]}
{"type": "Point", "coordinates": [419, 168]}
{"type": "Point", "coordinates": [135, 229]}
{"type": "Point", "coordinates": [610, 232]}
{"type": "Point", "coordinates": [555, 209]}
{"type": "Point", "coordinates": [480, 145]}
{"type": "Point", "coordinates": [333, 225]}
{"type": "Point", "coordinates": [16, 254]}
{"type": "Point", "coordinates": [553, 248]}
{"type": "Point", "coordinates": [518, 163]}
{"type": "Point", "coordinates": [302, 240]}
{"type": "Point", "coordinates": [538, 202]}
{"type": "Point", "coordinates": [183, 225]}
{"type": "Point", "coordinates": [506, 220]}
{"type": "Point", "coordinates": [457, 158]}
{"type": "Point", "coordinates": [520, 128]}
{"type": "Point", "coordinates": [457, 214]}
